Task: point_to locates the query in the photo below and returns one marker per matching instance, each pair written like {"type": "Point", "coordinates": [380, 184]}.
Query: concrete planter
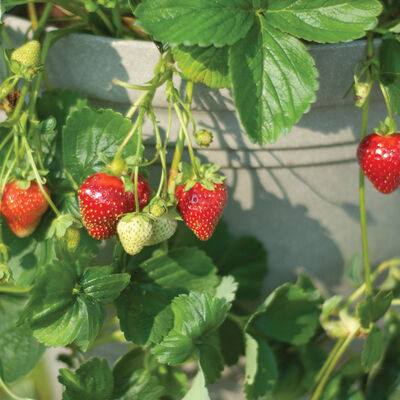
{"type": "Point", "coordinates": [299, 196]}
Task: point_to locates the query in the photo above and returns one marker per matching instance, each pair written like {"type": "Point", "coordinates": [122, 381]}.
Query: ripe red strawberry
{"type": "Point", "coordinates": [379, 158]}
{"type": "Point", "coordinates": [201, 208]}
{"type": "Point", "coordinates": [23, 208]}
{"type": "Point", "coordinates": [103, 200]}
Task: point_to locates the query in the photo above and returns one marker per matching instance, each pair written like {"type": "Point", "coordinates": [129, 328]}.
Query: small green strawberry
{"type": "Point", "coordinates": [163, 228]}
{"type": "Point", "coordinates": [28, 55]}
{"type": "Point", "coordinates": [204, 138]}
{"type": "Point", "coordinates": [134, 230]}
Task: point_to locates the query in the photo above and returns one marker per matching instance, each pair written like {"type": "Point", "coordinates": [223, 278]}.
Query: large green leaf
{"type": "Point", "coordinates": [373, 349]}
{"type": "Point", "coordinates": [323, 20]}
{"type": "Point", "coordinates": [28, 255]}
{"type": "Point", "coordinates": [261, 369]}
{"type": "Point", "coordinates": [244, 258]}
{"type": "Point", "coordinates": [198, 391]}
{"type": "Point", "coordinates": [86, 134]}
{"type": "Point", "coordinates": [92, 381]}
{"type": "Point", "coordinates": [59, 103]}
{"type": "Point", "coordinates": [202, 22]}
{"type": "Point", "coordinates": [196, 317]}
{"type": "Point", "coordinates": [389, 58]}
{"type": "Point", "coordinates": [273, 81]}
{"type": "Point", "coordinates": [151, 305]}
{"type": "Point", "coordinates": [185, 268]}
{"type": "Point", "coordinates": [208, 65]}
{"type": "Point", "coordinates": [171, 381]}
{"type": "Point", "coordinates": [20, 351]}
{"type": "Point", "coordinates": [66, 307]}
{"type": "Point", "coordinates": [289, 314]}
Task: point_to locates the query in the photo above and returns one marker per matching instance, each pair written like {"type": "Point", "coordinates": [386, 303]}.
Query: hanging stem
{"type": "Point", "coordinates": [358, 293]}
{"type": "Point", "coordinates": [37, 176]}
{"type": "Point", "coordinates": [163, 180]}
{"type": "Point", "coordinates": [33, 15]}
{"type": "Point", "coordinates": [187, 136]}
{"type": "Point", "coordinates": [363, 212]}
{"type": "Point", "coordinates": [180, 143]}
{"type": "Point", "coordinates": [328, 361]}
{"type": "Point", "coordinates": [9, 393]}
{"type": "Point", "coordinates": [333, 361]}
{"type": "Point", "coordinates": [387, 101]}
{"type": "Point", "coordinates": [138, 148]}
{"type": "Point", "coordinates": [135, 126]}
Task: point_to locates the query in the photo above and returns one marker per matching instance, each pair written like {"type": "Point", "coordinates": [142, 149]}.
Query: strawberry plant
{"type": "Point", "coordinates": [174, 283]}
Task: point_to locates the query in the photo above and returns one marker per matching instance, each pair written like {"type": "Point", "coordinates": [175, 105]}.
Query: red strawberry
{"type": "Point", "coordinates": [379, 158]}
{"type": "Point", "coordinates": [103, 200]}
{"type": "Point", "coordinates": [201, 208]}
{"type": "Point", "coordinates": [23, 208]}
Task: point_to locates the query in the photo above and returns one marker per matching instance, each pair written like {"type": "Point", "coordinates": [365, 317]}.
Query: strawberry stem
{"type": "Point", "coordinates": [363, 212]}
{"type": "Point", "coordinates": [163, 179]}
{"type": "Point", "coordinates": [187, 136]}
{"type": "Point", "coordinates": [388, 106]}
{"type": "Point", "coordinates": [37, 176]}
{"type": "Point", "coordinates": [180, 143]}
{"type": "Point", "coordinates": [33, 15]}
{"type": "Point", "coordinates": [138, 147]}
{"type": "Point", "coordinates": [10, 393]}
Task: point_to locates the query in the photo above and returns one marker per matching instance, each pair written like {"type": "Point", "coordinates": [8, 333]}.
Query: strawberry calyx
{"type": "Point", "coordinates": [207, 175]}
{"type": "Point", "coordinates": [61, 226]}
{"type": "Point", "coordinates": [387, 127]}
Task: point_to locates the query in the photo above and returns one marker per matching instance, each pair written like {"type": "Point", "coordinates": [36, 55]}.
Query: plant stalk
{"type": "Point", "coordinates": [334, 360]}
{"type": "Point", "coordinates": [363, 212]}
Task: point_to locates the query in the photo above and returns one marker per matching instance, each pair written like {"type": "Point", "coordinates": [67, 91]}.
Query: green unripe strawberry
{"type": "Point", "coordinates": [203, 138]}
{"type": "Point", "coordinates": [28, 55]}
{"type": "Point", "coordinates": [72, 237]}
{"type": "Point", "coordinates": [133, 231]}
{"type": "Point", "coordinates": [163, 228]}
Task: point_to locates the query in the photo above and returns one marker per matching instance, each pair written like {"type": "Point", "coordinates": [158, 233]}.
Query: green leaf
{"type": "Point", "coordinates": [227, 288]}
{"type": "Point", "coordinates": [28, 255]}
{"type": "Point", "coordinates": [353, 270]}
{"type": "Point", "coordinates": [261, 369]}
{"type": "Point", "coordinates": [198, 391]}
{"type": "Point", "coordinates": [151, 305]}
{"type": "Point", "coordinates": [93, 380]}
{"type": "Point", "coordinates": [86, 134]}
{"type": "Point", "coordinates": [100, 283]}
{"type": "Point", "coordinates": [289, 314]}
{"type": "Point", "coordinates": [244, 258]}
{"type": "Point", "coordinates": [231, 341]}
{"type": "Point", "coordinates": [65, 307]}
{"type": "Point", "coordinates": [208, 65]}
{"type": "Point", "coordinates": [184, 268]}
{"type": "Point", "coordinates": [323, 20]}
{"type": "Point", "coordinates": [196, 317]}
{"type": "Point", "coordinates": [210, 360]}
{"type": "Point", "coordinates": [389, 60]}
{"type": "Point", "coordinates": [373, 349]}
{"type": "Point", "coordinates": [373, 308]}
{"type": "Point", "coordinates": [273, 82]}
{"type": "Point", "coordinates": [19, 349]}
{"type": "Point", "coordinates": [59, 103]}
{"type": "Point", "coordinates": [202, 22]}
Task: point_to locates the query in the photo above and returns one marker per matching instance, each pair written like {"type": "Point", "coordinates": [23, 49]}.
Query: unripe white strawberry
{"type": "Point", "coordinates": [133, 231]}
{"type": "Point", "coordinates": [163, 228]}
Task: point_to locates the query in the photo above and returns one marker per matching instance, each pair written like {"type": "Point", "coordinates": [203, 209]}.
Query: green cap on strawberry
{"type": "Point", "coordinates": [201, 197]}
